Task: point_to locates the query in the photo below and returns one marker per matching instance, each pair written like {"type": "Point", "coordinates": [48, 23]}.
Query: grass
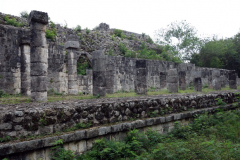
{"type": "Point", "coordinates": [15, 99]}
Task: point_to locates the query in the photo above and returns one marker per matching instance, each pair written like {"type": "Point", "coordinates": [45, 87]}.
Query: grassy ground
{"type": "Point", "coordinates": [53, 97]}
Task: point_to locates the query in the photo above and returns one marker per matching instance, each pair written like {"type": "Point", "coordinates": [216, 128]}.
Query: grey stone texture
{"type": "Point", "coordinates": [141, 77]}
{"type": "Point", "coordinates": [39, 69]}
{"type": "Point", "coordinates": [197, 83]}
{"type": "Point", "coordinates": [216, 81]}
{"type": "Point", "coordinates": [81, 141]}
{"type": "Point", "coordinates": [99, 73]}
{"type": "Point", "coordinates": [172, 81]}
{"type": "Point", "coordinates": [233, 80]}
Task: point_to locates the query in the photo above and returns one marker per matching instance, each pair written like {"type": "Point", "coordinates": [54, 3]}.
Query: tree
{"type": "Point", "coordinates": [182, 37]}
{"type": "Point", "coordinates": [24, 14]}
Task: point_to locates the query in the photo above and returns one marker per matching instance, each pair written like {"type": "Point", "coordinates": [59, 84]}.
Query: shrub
{"type": "Point", "coordinates": [149, 40]}
{"type": "Point", "coordinates": [87, 30]}
{"type": "Point", "coordinates": [13, 22]}
{"type": "Point", "coordinates": [78, 28]}
{"type": "Point", "coordinates": [52, 32]}
{"type": "Point", "coordinates": [24, 14]}
{"type": "Point", "coordinates": [119, 33]}
{"type": "Point", "coordinates": [81, 67]}
{"type": "Point", "coordinates": [123, 49]}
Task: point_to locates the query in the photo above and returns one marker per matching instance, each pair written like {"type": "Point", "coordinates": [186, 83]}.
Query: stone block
{"type": "Point", "coordinates": [82, 146]}
{"type": "Point", "coordinates": [99, 79]}
{"type": "Point", "coordinates": [215, 73]}
{"type": "Point", "coordinates": [141, 72]}
{"type": "Point", "coordinates": [116, 128]}
{"type": "Point", "coordinates": [25, 41]}
{"type": "Point", "coordinates": [216, 83]}
{"type": "Point", "coordinates": [98, 64]}
{"type": "Point", "coordinates": [5, 126]}
{"type": "Point", "coordinates": [232, 84]}
{"type": "Point", "coordinates": [72, 45]}
{"type": "Point", "coordinates": [38, 83]}
{"type": "Point", "coordinates": [38, 39]}
{"type": "Point", "coordinates": [197, 82]}
{"type": "Point", "coordinates": [101, 91]}
{"type": "Point", "coordinates": [39, 69]}
{"type": "Point", "coordinates": [73, 91]}
{"type": "Point", "coordinates": [39, 96]}
{"type": "Point", "coordinates": [98, 54]}
{"type": "Point", "coordinates": [172, 72]}
{"type": "Point", "coordinates": [39, 54]}
{"type": "Point", "coordinates": [37, 16]}
{"type": "Point", "coordinates": [72, 69]}
{"type": "Point", "coordinates": [172, 87]}
{"type": "Point", "coordinates": [172, 79]}
{"type": "Point", "coordinates": [104, 130]}
{"type": "Point", "coordinates": [141, 64]}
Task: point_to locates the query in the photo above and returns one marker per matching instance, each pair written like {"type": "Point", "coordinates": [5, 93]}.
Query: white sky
{"type": "Point", "coordinates": [220, 17]}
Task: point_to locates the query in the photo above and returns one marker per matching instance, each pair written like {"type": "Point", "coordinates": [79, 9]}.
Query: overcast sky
{"type": "Point", "coordinates": [220, 17]}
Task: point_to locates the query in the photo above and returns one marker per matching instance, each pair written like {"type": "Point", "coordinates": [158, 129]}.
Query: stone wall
{"type": "Point", "coordinates": [81, 140]}
{"type": "Point", "coordinates": [41, 118]}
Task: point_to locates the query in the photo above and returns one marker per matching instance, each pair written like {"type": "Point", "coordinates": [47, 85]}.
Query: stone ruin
{"type": "Point", "coordinates": [31, 65]}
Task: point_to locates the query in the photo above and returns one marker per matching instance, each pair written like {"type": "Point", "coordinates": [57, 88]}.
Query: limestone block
{"type": "Point", "coordinates": [37, 16]}
{"type": "Point", "coordinates": [72, 69]}
{"type": "Point", "coordinates": [72, 44]}
{"type": "Point", "coordinates": [26, 84]}
{"type": "Point", "coordinates": [99, 79]}
{"type": "Point", "coordinates": [215, 73]}
{"type": "Point", "coordinates": [216, 83]}
{"type": "Point", "coordinates": [73, 91]}
{"type": "Point", "coordinates": [38, 39]}
{"type": "Point", "coordinates": [197, 82]}
{"type": "Point", "coordinates": [172, 79]}
{"type": "Point", "coordinates": [39, 96]}
{"type": "Point", "coordinates": [38, 83]}
{"type": "Point", "coordinates": [25, 41]}
{"type": "Point", "coordinates": [172, 87]}
{"type": "Point", "coordinates": [39, 54]}
{"type": "Point", "coordinates": [82, 146]}
{"type": "Point", "coordinates": [38, 26]}
{"type": "Point", "coordinates": [172, 72]}
{"type": "Point", "coordinates": [98, 64]}
{"type": "Point", "coordinates": [141, 64]}
{"type": "Point", "coordinates": [101, 91]}
{"type": "Point", "coordinates": [72, 84]}
{"type": "Point", "coordinates": [98, 54]}
{"type": "Point", "coordinates": [232, 84]}
{"type": "Point", "coordinates": [72, 62]}
{"type": "Point", "coordinates": [39, 69]}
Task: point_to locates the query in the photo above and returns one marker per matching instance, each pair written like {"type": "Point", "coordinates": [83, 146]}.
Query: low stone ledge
{"type": "Point", "coordinates": [16, 147]}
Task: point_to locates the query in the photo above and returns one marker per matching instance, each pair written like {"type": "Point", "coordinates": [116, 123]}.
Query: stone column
{"type": "Point", "coordinates": [39, 55]}
{"type": "Point", "coordinates": [182, 80]}
{"type": "Point", "coordinates": [197, 83]}
{"type": "Point", "coordinates": [110, 70]}
{"type": "Point", "coordinates": [216, 83]}
{"type": "Point", "coordinates": [141, 77]}
{"type": "Point", "coordinates": [163, 78]}
{"type": "Point", "coordinates": [232, 80]}
{"type": "Point", "coordinates": [25, 67]}
{"type": "Point", "coordinates": [99, 69]}
{"type": "Point", "coordinates": [72, 46]}
{"type": "Point", "coordinates": [172, 81]}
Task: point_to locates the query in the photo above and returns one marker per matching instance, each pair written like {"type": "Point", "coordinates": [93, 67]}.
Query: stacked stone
{"type": "Point", "coordinates": [141, 77]}
{"type": "Point", "coordinates": [39, 55]}
{"type": "Point", "coordinates": [163, 78]}
{"type": "Point", "coordinates": [197, 82]}
{"type": "Point", "coordinates": [99, 69]}
{"type": "Point", "coordinates": [172, 81]}
{"type": "Point", "coordinates": [25, 67]}
{"type": "Point", "coordinates": [216, 82]}
{"type": "Point", "coordinates": [72, 46]}
{"type": "Point", "coordinates": [182, 80]}
{"type": "Point", "coordinates": [233, 80]}
{"type": "Point", "coordinates": [110, 70]}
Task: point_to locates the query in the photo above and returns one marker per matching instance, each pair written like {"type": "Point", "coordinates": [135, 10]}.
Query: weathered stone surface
{"type": "Point", "coordinates": [197, 82]}
{"type": "Point", "coordinates": [37, 16]}
{"type": "Point", "coordinates": [39, 96]}
{"type": "Point", "coordinates": [72, 44]}
{"type": "Point", "coordinates": [40, 55]}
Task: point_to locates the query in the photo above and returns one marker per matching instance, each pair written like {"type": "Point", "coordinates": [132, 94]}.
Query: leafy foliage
{"type": "Point", "coordinates": [24, 14]}
{"type": "Point", "coordinates": [87, 30]}
{"type": "Point", "coordinates": [207, 137]}
{"type": "Point", "coordinates": [13, 22]}
{"type": "Point", "coordinates": [119, 33]}
{"type": "Point", "coordinates": [52, 32]}
{"type": "Point", "coordinates": [182, 37]}
{"type": "Point", "coordinates": [78, 28]}
{"type": "Point", "coordinates": [82, 66]}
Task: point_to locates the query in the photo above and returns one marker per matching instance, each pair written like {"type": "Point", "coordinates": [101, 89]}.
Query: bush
{"type": "Point", "coordinates": [87, 30]}
{"type": "Point", "coordinates": [24, 14]}
{"type": "Point", "coordinates": [52, 32]}
{"type": "Point", "coordinates": [119, 33]}
{"type": "Point", "coordinates": [81, 67]}
{"type": "Point", "coordinates": [123, 49]}
{"type": "Point", "coordinates": [149, 40]}
{"type": "Point", "coordinates": [78, 28]}
{"type": "Point", "coordinates": [13, 22]}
